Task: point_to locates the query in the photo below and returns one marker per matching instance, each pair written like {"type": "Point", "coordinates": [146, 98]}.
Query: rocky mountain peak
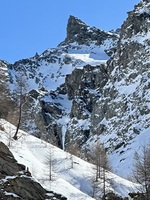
{"type": "Point", "coordinates": [81, 33]}
{"type": "Point", "coordinates": [73, 26]}
{"type": "Point", "coordinates": [134, 36]}
{"type": "Point", "coordinates": [137, 21]}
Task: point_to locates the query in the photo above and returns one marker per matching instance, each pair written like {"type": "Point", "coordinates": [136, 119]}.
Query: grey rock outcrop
{"type": "Point", "coordinates": [83, 87]}
{"type": "Point", "coordinates": [16, 181]}
{"type": "Point", "coordinates": [6, 103]}
{"type": "Point", "coordinates": [8, 165]}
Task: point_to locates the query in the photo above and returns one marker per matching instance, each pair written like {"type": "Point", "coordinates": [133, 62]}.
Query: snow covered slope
{"type": "Point", "coordinates": [73, 182]}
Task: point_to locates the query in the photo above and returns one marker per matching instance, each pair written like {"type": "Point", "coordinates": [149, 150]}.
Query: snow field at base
{"type": "Point", "coordinates": [74, 183]}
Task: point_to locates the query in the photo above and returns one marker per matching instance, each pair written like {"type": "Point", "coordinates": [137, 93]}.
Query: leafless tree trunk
{"type": "Point", "coordinates": [94, 185]}
{"type": "Point", "coordinates": [100, 159]}
{"type": "Point", "coordinates": [141, 170]}
{"type": "Point", "coordinates": [50, 162]}
{"type": "Point", "coordinates": [73, 149]}
{"type": "Point", "coordinates": [20, 90]}
{"type": "Point", "coordinates": [15, 137]}
{"type": "Point", "coordinates": [104, 182]}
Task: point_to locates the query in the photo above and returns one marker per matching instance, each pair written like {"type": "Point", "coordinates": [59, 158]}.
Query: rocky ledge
{"type": "Point", "coordinates": [16, 181]}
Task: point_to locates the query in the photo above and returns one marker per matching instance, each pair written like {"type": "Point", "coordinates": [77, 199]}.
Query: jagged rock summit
{"type": "Point", "coordinates": [74, 26]}
{"type": "Point", "coordinates": [82, 34]}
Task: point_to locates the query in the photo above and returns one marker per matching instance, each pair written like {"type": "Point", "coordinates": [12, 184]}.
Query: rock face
{"type": "Point", "coordinates": [16, 181]}
{"type": "Point", "coordinates": [84, 88]}
{"type": "Point", "coordinates": [5, 99]}
{"type": "Point", "coordinates": [123, 108]}
{"type": "Point", "coordinates": [8, 165]}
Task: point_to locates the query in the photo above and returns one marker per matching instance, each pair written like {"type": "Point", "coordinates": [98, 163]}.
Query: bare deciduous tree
{"type": "Point", "coordinates": [141, 170]}
{"type": "Point", "coordinates": [50, 162]}
{"type": "Point", "coordinates": [73, 149]}
{"type": "Point", "coordinates": [98, 156]}
{"type": "Point", "coordinates": [20, 91]}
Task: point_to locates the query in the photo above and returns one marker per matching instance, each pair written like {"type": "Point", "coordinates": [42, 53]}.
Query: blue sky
{"type": "Point", "coordinates": [30, 26]}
